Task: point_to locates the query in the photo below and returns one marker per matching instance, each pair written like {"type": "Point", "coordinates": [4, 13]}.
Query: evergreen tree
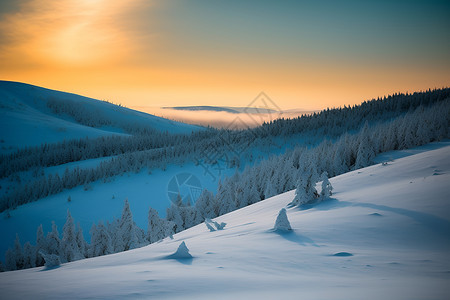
{"type": "Point", "coordinates": [282, 223]}
{"type": "Point", "coordinates": [70, 250]}
{"type": "Point", "coordinates": [29, 255]}
{"type": "Point", "coordinates": [101, 243]}
{"type": "Point", "coordinates": [53, 241]}
{"type": "Point", "coordinates": [306, 192]}
{"type": "Point", "coordinates": [127, 235]}
{"type": "Point", "coordinates": [157, 227]}
{"type": "Point", "coordinates": [269, 190]}
{"type": "Point", "coordinates": [224, 200]}
{"type": "Point", "coordinates": [205, 205]}
{"type": "Point", "coordinates": [365, 152]}
{"type": "Point", "coordinates": [81, 242]}
{"type": "Point", "coordinates": [10, 260]}
{"type": "Point", "coordinates": [327, 188]}
{"type": "Point", "coordinates": [173, 214]}
{"type": "Point", "coordinates": [41, 245]}
{"type": "Point", "coordinates": [18, 252]}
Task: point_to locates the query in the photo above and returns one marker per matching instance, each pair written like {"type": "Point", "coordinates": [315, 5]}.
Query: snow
{"type": "Point", "coordinates": [181, 253]}
{"type": "Point", "coordinates": [51, 260]}
{"type": "Point", "coordinates": [213, 225]}
{"type": "Point", "coordinates": [102, 202]}
{"type": "Point", "coordinates": [282, 223]}
{"type": "Point", "coordinates": [26, 120]}
{"type": "Point", "coordinates": [385, 233]}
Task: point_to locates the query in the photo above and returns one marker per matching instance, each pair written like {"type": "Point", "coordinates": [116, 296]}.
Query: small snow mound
{"type": "Point", "coordinates": [209, 226]}
{"type": "Point", "coordinates": [282, 223]}
{"type": "Point", "coordinates": [376, 214]}
{"type": "Point", "coordinates": [213, 225]}
{"type": "Point", "coordinates": [51, 260]}
{"type": "Point", "coordinates": [182, 252]}
{"type": "Point", "coordinates": [342, 254]}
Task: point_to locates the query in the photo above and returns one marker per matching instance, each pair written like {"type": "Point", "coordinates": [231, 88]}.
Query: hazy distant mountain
{"type": "Point", "coordinates": [230, 109]}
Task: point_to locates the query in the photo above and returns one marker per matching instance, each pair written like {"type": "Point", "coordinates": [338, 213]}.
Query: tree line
{"type": "Point", "coordinates": [157, 150]}
{"type": "Point", "coordinates": [297, 169]}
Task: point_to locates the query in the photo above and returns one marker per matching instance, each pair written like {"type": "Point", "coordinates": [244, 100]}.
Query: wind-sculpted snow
{"type": "Point", "coordinates": [384, 233]}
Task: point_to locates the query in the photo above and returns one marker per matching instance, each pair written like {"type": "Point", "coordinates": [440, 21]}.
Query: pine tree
{"type": "Point", "coordinates": [282, 223]}
{"type": "Point", "coordinates": [205, 205]}
{"type": "Point", "coordinates": [10, 260]}
{"type": "Point", "coordinates": [156, 229]}
{"type": "Point", "coordinates": [327, 188]}
{"type": "Point", "coordinates": [41, 245]}
{"type": "Point", "coordinates": [365, 153]}
{"type": "Point", "coordinates": [306, 192]}
{"type": "Point", "coordinates": [18, 253]}
{"type": "Point", "coordinates": [173, 214]}
{"type": "Point", "coordinates": [101, 243]}
{"type": "Point", "coordinates": [269, 190]}
{"type": "Point", "coordinates": [127, 235]}
{"type": "Point", "coordinates": [53, 241]}
{"type": "Point", "coordinates": [224, 200]}
{"type": "Point", "coordinates": [29, 255]}
{"type": "Point", "coordinates": [81, 242]}
{"type": "Point", "coordinates": [70, 250]}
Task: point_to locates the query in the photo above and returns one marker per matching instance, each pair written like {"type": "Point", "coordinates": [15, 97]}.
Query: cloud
{"type": "Point", "coordinates": [74, 33]}
{"type": "Point", "coordinates": [219, 119]}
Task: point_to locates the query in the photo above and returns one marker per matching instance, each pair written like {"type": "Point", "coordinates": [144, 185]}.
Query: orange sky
{"type": "Point", "coordinates": [168, 53]}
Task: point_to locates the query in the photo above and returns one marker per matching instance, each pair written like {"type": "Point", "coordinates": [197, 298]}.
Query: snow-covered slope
{"type": "Point", "coordinates": [26, 118]}
{"type": "Point", "coordinates": [385, 234]}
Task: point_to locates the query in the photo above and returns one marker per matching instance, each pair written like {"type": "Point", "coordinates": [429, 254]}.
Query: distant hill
{"type": "Point", "coordinates": [229, 109]}
{"type": "Point", "coordinates": [32, 115]}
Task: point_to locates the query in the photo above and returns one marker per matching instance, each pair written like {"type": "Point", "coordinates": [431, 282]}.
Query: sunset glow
{"type": "Point", "coordinates": [168, 53]}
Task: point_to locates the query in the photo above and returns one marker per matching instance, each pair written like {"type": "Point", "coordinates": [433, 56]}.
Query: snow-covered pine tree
{"type": "Point", "coordinates": [14, 258]}
{"type": "Point", "coordinates": [41, 245]}
{"type": "Point", "coordinates": [224, 200]}
{"type": "Point", "coordinates": [128, 233]}
{"type": "Point", "coordinates": [18, 253]}
{"type": "Point", "coordinates": [365, 153]}
{"type": "Point", "coordinates": [327, 188]}
{"type": "Point", "coordinates": [81, 242]}
{"type": "Point", "coordinates": [101, 243]}
{"type": "Point", "coordinates": [157, 227]}
{"type": "Point", "coordinates": [53, 241]}
{"type": "Point", "coordinates": [51, 260]}
{"type": "Point", "coordinates": [113, 230]}
{"type": "Point", "coordinates": [305, 192]}
{"type": "Point", "coordinates": [29, 256]}
{"type": "Point", "coordinates": [10, 260]}
{"type": "Point", "coordinates": [251, 194]}
{"type": "Point", "coordinates": [282, 223]}
{"type": "Point", "coordinates": [69, 246]}
{"type": "Point", "coordinates": [190, 216]}
{"type": "Point", "coordinates": [205, 204]}
{"type": "Point", "coordinates": [269, 190]}
{"type": "Point", "coordinates": [173, 214]}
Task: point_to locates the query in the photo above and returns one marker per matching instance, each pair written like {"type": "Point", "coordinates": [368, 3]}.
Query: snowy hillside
{"type": "Point", "coordinates": [385, 234]}
{"type": "Point", "coordinates": [31, 115]}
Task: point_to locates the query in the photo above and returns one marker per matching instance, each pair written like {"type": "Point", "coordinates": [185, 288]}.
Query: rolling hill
{"type": "Point", "coordinates": [383, 234]}
{"type": "Point", "coordinates": [31, 115]}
